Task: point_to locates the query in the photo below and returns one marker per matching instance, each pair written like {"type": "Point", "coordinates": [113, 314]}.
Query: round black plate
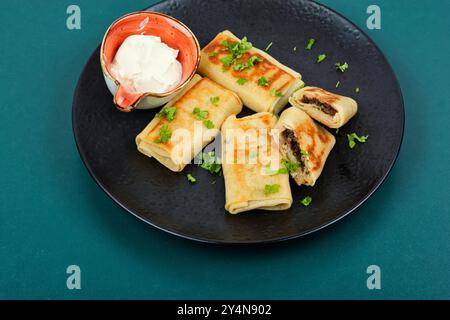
{"type": "Point", "coordinates": [105, 137]}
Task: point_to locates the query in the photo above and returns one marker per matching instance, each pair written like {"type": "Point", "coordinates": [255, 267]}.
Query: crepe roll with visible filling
{"type": "Point", "coordinates": [263, 83]}
{"type": "Point", "coordinates": [304, 145]}
{"type": "Point", "coordinates": [248, 155]}
{"type": "Point", "coordinates": [328, 108]}
{"type": "Point", "coordinates": [188, 123]}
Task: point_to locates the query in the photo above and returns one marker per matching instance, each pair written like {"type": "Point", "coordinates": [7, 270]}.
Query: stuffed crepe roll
{"type": "Point", "coordinates": [188, 123]}
{"type": "Point", "coordinates": [328, 108]}
{"type": "Point", "coordinates": [304, 145]}
{"type": "Point", "coordinates": [263, 83]}
{"type": "Point", "coordinates": [248, 155]}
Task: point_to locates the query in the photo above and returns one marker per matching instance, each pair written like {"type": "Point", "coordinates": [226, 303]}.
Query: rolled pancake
{"type": "Point", "coordinates": [256, 97]}
{"type": "Point", "coordinates": [188, 134]}
{"type": "Point", "coordinates": [246, 178]}
{"type": "Point", "coordinates": [328, 108]}
{"type": "Point", "coordinates": [303, 143]}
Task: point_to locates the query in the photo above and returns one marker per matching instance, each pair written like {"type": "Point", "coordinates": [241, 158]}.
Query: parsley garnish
{"type": "Point", "coordinates": [269, 46]}
{"type": "Point", "coordinates": [310, 44]}
{"type": "Point", "coordinates": [341, 67]}
{"type": "Point", "coordinates": [213, 54]}
{"type": "Point", "coordinates": [357, 90]}
{"type": "Point", "coordinates": [164, 134]}
{"type": "Point", "coordinates": [353, 137]}
{"type": "Point", "coordinates": [209, 163]}
{"type": "Point", "coordinates": [241, 81]}
{"type": "Point", "coordinates": [214, 100]}
{"type": "Point", "coordinates": [209, 124]}
{"type": "Point", "coordinates": [199, 114]}
{"type": "Point", "coordinates": [338, 83]}
{"type": "Point", "coordinates": [290, 166]}
{"type": "Point", "coordinates": [337, 131]}
{"type": "Point", "coordinates": [239, 48]}
{"type": "Point", "coordinates": [227, 60]}
{"type": "Point", "coordinates": [191, 178]}
{"type": "Point", "coordinates": [295, 49]}
{"type": "Point", "coordinates": [239, 66]}
{"type": "Point", "coordinates": [321, 57]}
{"type": "Point", "coordinates": [275, 93]}
{"type": "Point", "coordinates": [263, 81]}
{"type": "Point", "coordinates": [306, 201]}
{"type": "Point", "coordinates": [271, 188]}
{"type": "Point", "coordinates": [168, 112]}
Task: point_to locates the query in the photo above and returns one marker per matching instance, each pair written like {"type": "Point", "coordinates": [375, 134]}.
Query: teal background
{"type": "Point", "coordinates": [54, 215]}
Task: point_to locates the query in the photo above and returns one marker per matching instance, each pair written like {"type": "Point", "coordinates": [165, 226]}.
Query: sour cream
{"type": "Point", "coordinates": [146, 64]}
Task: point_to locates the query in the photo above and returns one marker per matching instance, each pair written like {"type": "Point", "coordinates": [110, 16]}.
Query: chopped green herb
{"type": "Point", "coordinates": [241, 81]}
{"type": "Point", "coordinates": [269, 171]}
{"type": "Point", "coordinates": [209, 124]}
{"type": "Point", "coordinates": [263, 82]}
{"type": "Point", "coordinates": [321, 57]}
{"type": "Point", "coordinates": [199, 114]}
{"type": "Point", "coordinates": [310, 44]}
{"type": "Point", "coordinates": [239, 66]}
{"type": "Point", "coordinates": [168, 112]}
{"type": "Point", "coordinates": [239, 48]}
{"type": "Point", "coordinates": [214, 100]}
{"type": "Point", "coordinates": [306, 201]}
{"type": "Point", "coordinates": [300, 87]}
{"type": "Point", "coordinates": [295, 49]}
{"type": "Point", "coordinates": [357, 90]}
{"type": "Point", "coordinates": [341, 67]}
{"type": "Point", "coordinates": [337, 84]}
{"type": "Point", "coordinates": [271, 188]}
{"type": "Point", "coordinates": [227, 60]}
{"type": "Point", "coordinates": [337, 131]}
{"type": "Point", "coordinates": [269, 46]}
{"type": "Point", "coordinates": [213, 54]}
{"type": "Point", "coordinates": [191, 178]}
{"type": "Point", "coordinates": [275, 93]}
{"type": "Point", "coordinates": [353, 137]}
{"type": "Point", "coordinates": [209, 163]}
{"type": "Point", "coordinates": [290, 166]}
{"type": "Point", "coordinates": [164, 134]}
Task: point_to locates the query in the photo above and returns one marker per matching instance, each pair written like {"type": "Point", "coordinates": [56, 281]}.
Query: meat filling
{"type": "Point", "coordinates": [322, 106]}
{"type": "Point", "coordinates": [292, 150]}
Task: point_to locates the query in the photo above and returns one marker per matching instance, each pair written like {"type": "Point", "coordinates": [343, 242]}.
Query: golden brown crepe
{"type": "Point", "coordinates": [328, 108]}
{"type": "Point", "coordinates": [248, 155]}
{"type": "Point", "coordinates": [304, 144]}
{"type": "Point", "coordinates": [188, 131]}
{"type": "Point", "coordinates": [281, 79]}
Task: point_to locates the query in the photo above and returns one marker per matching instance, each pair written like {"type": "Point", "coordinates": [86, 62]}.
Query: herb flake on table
{"type": "Point", "coordinates": [191, 178]}
{"type": "Point", "coordinates": [342, 67]}
{"type": "Point", "coordinates": [353, 138]}
{"type": "Point", "coordinates": [321, 57]}
{"type": "Point", "coordinates": [210, 163]}
{"type": "Point", "coordinates": [269, 46]}
{"type": "Point", "coordinates": [306, 201]}
{"type": "Point", "coordinates": [357, 90]}
{"type": "Point", "coordinates": [310, 44]}
{"type": "Point", "coordinates": [338, 84]}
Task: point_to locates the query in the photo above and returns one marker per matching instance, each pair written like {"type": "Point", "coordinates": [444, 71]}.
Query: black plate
{"type": "Point", "coordinates": [142, 186]}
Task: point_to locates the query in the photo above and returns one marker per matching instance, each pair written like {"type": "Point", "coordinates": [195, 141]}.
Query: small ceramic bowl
{"type": "Point", "coordinates": [172, 32]}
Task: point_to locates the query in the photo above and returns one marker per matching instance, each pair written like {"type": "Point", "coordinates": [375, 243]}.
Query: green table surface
{"type": "Point", "coordinates": [52, 214]}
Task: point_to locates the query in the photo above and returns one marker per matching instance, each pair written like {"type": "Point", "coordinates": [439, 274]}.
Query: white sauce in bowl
{"type": "Point", "coordinates": [146, 64]}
